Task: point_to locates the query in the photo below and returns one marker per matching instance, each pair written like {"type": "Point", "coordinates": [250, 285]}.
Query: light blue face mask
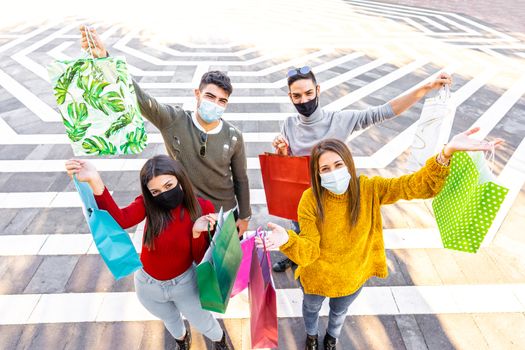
{"type": "Point", "coordinates": [336, 181]}
{"type": "Point", "coordinates": [209, 111]}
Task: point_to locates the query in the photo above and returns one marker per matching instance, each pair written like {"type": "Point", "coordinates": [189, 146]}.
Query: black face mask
{"type": "Point", "coordinates": [170, 199]}
{"type": "Point", "coordinates": [307, 108]}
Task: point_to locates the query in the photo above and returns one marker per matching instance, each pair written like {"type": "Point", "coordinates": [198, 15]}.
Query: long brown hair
{"type": "Point", "coordinates": [342, 150]}
{"type": "Point", "coordinates": [158, 217]}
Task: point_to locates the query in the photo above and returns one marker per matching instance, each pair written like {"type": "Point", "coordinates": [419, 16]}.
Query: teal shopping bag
{"type": "Point", "coordinates": [468, 203]}
{"type": "Point", "coordinates": [217, 272]}
{"type": "Point", "coordinates": [113, 242]}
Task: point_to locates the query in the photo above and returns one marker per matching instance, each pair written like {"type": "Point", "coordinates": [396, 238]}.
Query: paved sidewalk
{"type": "Point", "coordinates": [504, 15]}
{"type": "Point", "coordinates": [56, 292]}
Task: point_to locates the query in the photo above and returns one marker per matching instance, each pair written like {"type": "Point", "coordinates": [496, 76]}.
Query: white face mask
{"type": "Point", "coordinates": [336, 181]}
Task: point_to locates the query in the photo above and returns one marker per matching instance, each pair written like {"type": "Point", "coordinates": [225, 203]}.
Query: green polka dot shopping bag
{"type": "Point", "coordinates": [468, 203]}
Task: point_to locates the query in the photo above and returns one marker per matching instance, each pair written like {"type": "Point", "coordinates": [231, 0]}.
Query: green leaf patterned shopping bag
{"type": "Point", "coordinates": [468, 203]}
{"type": "Point", "coordinates": [99, 108]}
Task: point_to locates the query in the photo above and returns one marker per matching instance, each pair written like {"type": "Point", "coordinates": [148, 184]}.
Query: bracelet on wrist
{"type": "Point", "coordinates": [443, 151]}
{"type": "Point", "coordinates": [442, 159]}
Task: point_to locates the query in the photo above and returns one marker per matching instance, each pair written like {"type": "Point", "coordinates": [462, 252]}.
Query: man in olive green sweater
{"type": "Point", "coordinates": [210, 148]}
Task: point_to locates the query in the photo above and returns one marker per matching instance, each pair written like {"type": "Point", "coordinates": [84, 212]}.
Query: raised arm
{"type": "Point", "coordinates": [424, 183]}
{"type": "Point", "coordinates": [429, 180]}
{"type": "Point", "coordinates": [355, 120]}
{"type": "Point", "coordinates": [161, 115]}
{"type": "Point", "coordinates": [126, 217]}
{"type": "Point", "coordinates": [402, 103]}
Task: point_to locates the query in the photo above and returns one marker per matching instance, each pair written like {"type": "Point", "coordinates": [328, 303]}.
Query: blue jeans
{"type": "Point", "coordinates": [338, 307]}
{"type": "Point", "coordinates": [169, 300]}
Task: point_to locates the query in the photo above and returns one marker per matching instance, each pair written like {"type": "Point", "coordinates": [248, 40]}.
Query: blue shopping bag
{"type": "Point", "coordinates": [112, 241]}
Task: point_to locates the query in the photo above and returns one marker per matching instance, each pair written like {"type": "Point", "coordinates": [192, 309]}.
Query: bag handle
{"type": "Point", "coordinates": [488, 174]}
{"type": "Point", "coordinates": [492, 155]}
{"type": "Point", "coordinates": [264, 258]}
{"type": "Point", "coordinates": [258, 234]}
{"type": "Point", "coordinates": [90, 41]}
{"type": "Point", "coordinates": [262, 234]}
{"type": "Point", "coordinates": [209, 234]}
{"type": "Point", "coordinates": [444, 93]}
{"type": "Point", "coordinates": [484, 161]}
{"type": "Point", "coordinates": [86, 196]}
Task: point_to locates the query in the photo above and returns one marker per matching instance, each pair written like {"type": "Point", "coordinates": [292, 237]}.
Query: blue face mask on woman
{"type": "Point", "coordinates": [336, 181]}
{"type": "Point", "coordinates": [209, 111]}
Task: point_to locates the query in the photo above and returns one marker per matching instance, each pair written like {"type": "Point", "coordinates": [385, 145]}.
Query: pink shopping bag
{"type": "Point", "coordinates": [263, 302]}
{"type": "Point", "coordinates": [243, 276]}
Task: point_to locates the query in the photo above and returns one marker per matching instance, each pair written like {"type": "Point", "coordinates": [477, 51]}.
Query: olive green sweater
{"type": "Point", "coordinates": [220, 176]}
{"type": "Point", "coordinates": [335, 259]}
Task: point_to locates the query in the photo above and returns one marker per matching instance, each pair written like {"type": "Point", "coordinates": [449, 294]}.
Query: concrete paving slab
{"type": "Point", "coordinates": [52, 275]}
{"type": "Point", "coordinates": [19, 273]}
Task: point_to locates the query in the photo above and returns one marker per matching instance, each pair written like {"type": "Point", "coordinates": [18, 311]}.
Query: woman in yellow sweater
{"type": "Point", "coordinates": [341, 242]}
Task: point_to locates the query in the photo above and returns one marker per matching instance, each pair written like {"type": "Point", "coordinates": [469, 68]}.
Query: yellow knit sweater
{"type": "Point", "coordinates": [335, 259]}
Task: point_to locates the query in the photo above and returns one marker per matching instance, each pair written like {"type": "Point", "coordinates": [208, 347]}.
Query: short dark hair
{"type": "Point", "coordinates": [310, 75]}
{"type": "Point", "coordinates": [218, 78]}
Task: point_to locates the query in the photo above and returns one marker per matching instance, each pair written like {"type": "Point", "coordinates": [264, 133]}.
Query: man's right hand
{"type": "Point", "coordinates": [97, 47]}
{"type": "Point", "coordinates": [281, 145]}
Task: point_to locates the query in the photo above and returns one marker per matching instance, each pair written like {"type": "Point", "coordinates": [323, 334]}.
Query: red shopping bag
{"type": "Point", "coordinates": [285, 178]}
{"type": "Point", "coordinates": [263, 302]}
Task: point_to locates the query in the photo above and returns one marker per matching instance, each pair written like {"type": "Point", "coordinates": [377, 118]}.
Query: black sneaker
{"type": "Point", "coordinates": [329, 342]}
{"type": "Point", "coordinates": [311, 342]}
{"type": "Point", "coordinates": [185, 343]}
{"type": "Point", "coordinates": [221, 344]}
{"type": "Point", "coordinates": [282, 265]}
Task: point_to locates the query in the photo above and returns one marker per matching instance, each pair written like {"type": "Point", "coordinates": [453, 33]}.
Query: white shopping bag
{"type": "Point", "coordinates": [433, 128]}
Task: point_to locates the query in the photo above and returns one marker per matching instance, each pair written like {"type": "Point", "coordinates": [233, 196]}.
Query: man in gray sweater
{"type": "Point", "coordinates": [312, 123]}
{"type": "Point", "coordinates": [211, 149]}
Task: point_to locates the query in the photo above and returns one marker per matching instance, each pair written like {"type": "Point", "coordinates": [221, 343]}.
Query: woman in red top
{"type": "Point", "coordinates": [173, 242]}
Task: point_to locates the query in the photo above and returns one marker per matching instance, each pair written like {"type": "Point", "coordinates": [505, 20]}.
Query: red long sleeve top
{"type": "Point", "coordinates": [175, 249]}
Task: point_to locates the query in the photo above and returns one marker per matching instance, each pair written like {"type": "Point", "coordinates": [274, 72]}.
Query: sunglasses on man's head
{"type": "Point", "coordinates": [204, 141]}
{"type": "Point", "coordinates": [303, 71]}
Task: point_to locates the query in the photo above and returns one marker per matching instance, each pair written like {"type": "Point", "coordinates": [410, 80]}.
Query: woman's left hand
{"type": "Point", "coordinates": [201, 224]}
{"type": "Point", "coordinates": [462, 142]}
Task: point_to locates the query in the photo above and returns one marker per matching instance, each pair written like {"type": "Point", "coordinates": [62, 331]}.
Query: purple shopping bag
{"type": "Point", "coordinates": [243, 276]}
{"type": "Point", "coordinates": [263, 302]}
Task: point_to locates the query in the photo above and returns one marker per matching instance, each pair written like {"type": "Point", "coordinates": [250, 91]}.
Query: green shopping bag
{"type": "Point", "coordinates": [217, 271]}
{"type": "Point", "coordinates": [98, 105]}
{"type": "Point", "coordinates": [468, 203]}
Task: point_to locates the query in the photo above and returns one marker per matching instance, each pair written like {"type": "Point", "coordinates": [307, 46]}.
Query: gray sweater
{"type": "Point", "coordinates": [221, 175]}
{"type": "Point", "coordinates": [303, 132]}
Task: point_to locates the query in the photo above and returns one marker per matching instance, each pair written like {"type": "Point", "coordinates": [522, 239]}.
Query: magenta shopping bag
{"type": "Point", "coordinates": [263, 302]}
{"type": "Point", "coordinates": [243, 276]}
